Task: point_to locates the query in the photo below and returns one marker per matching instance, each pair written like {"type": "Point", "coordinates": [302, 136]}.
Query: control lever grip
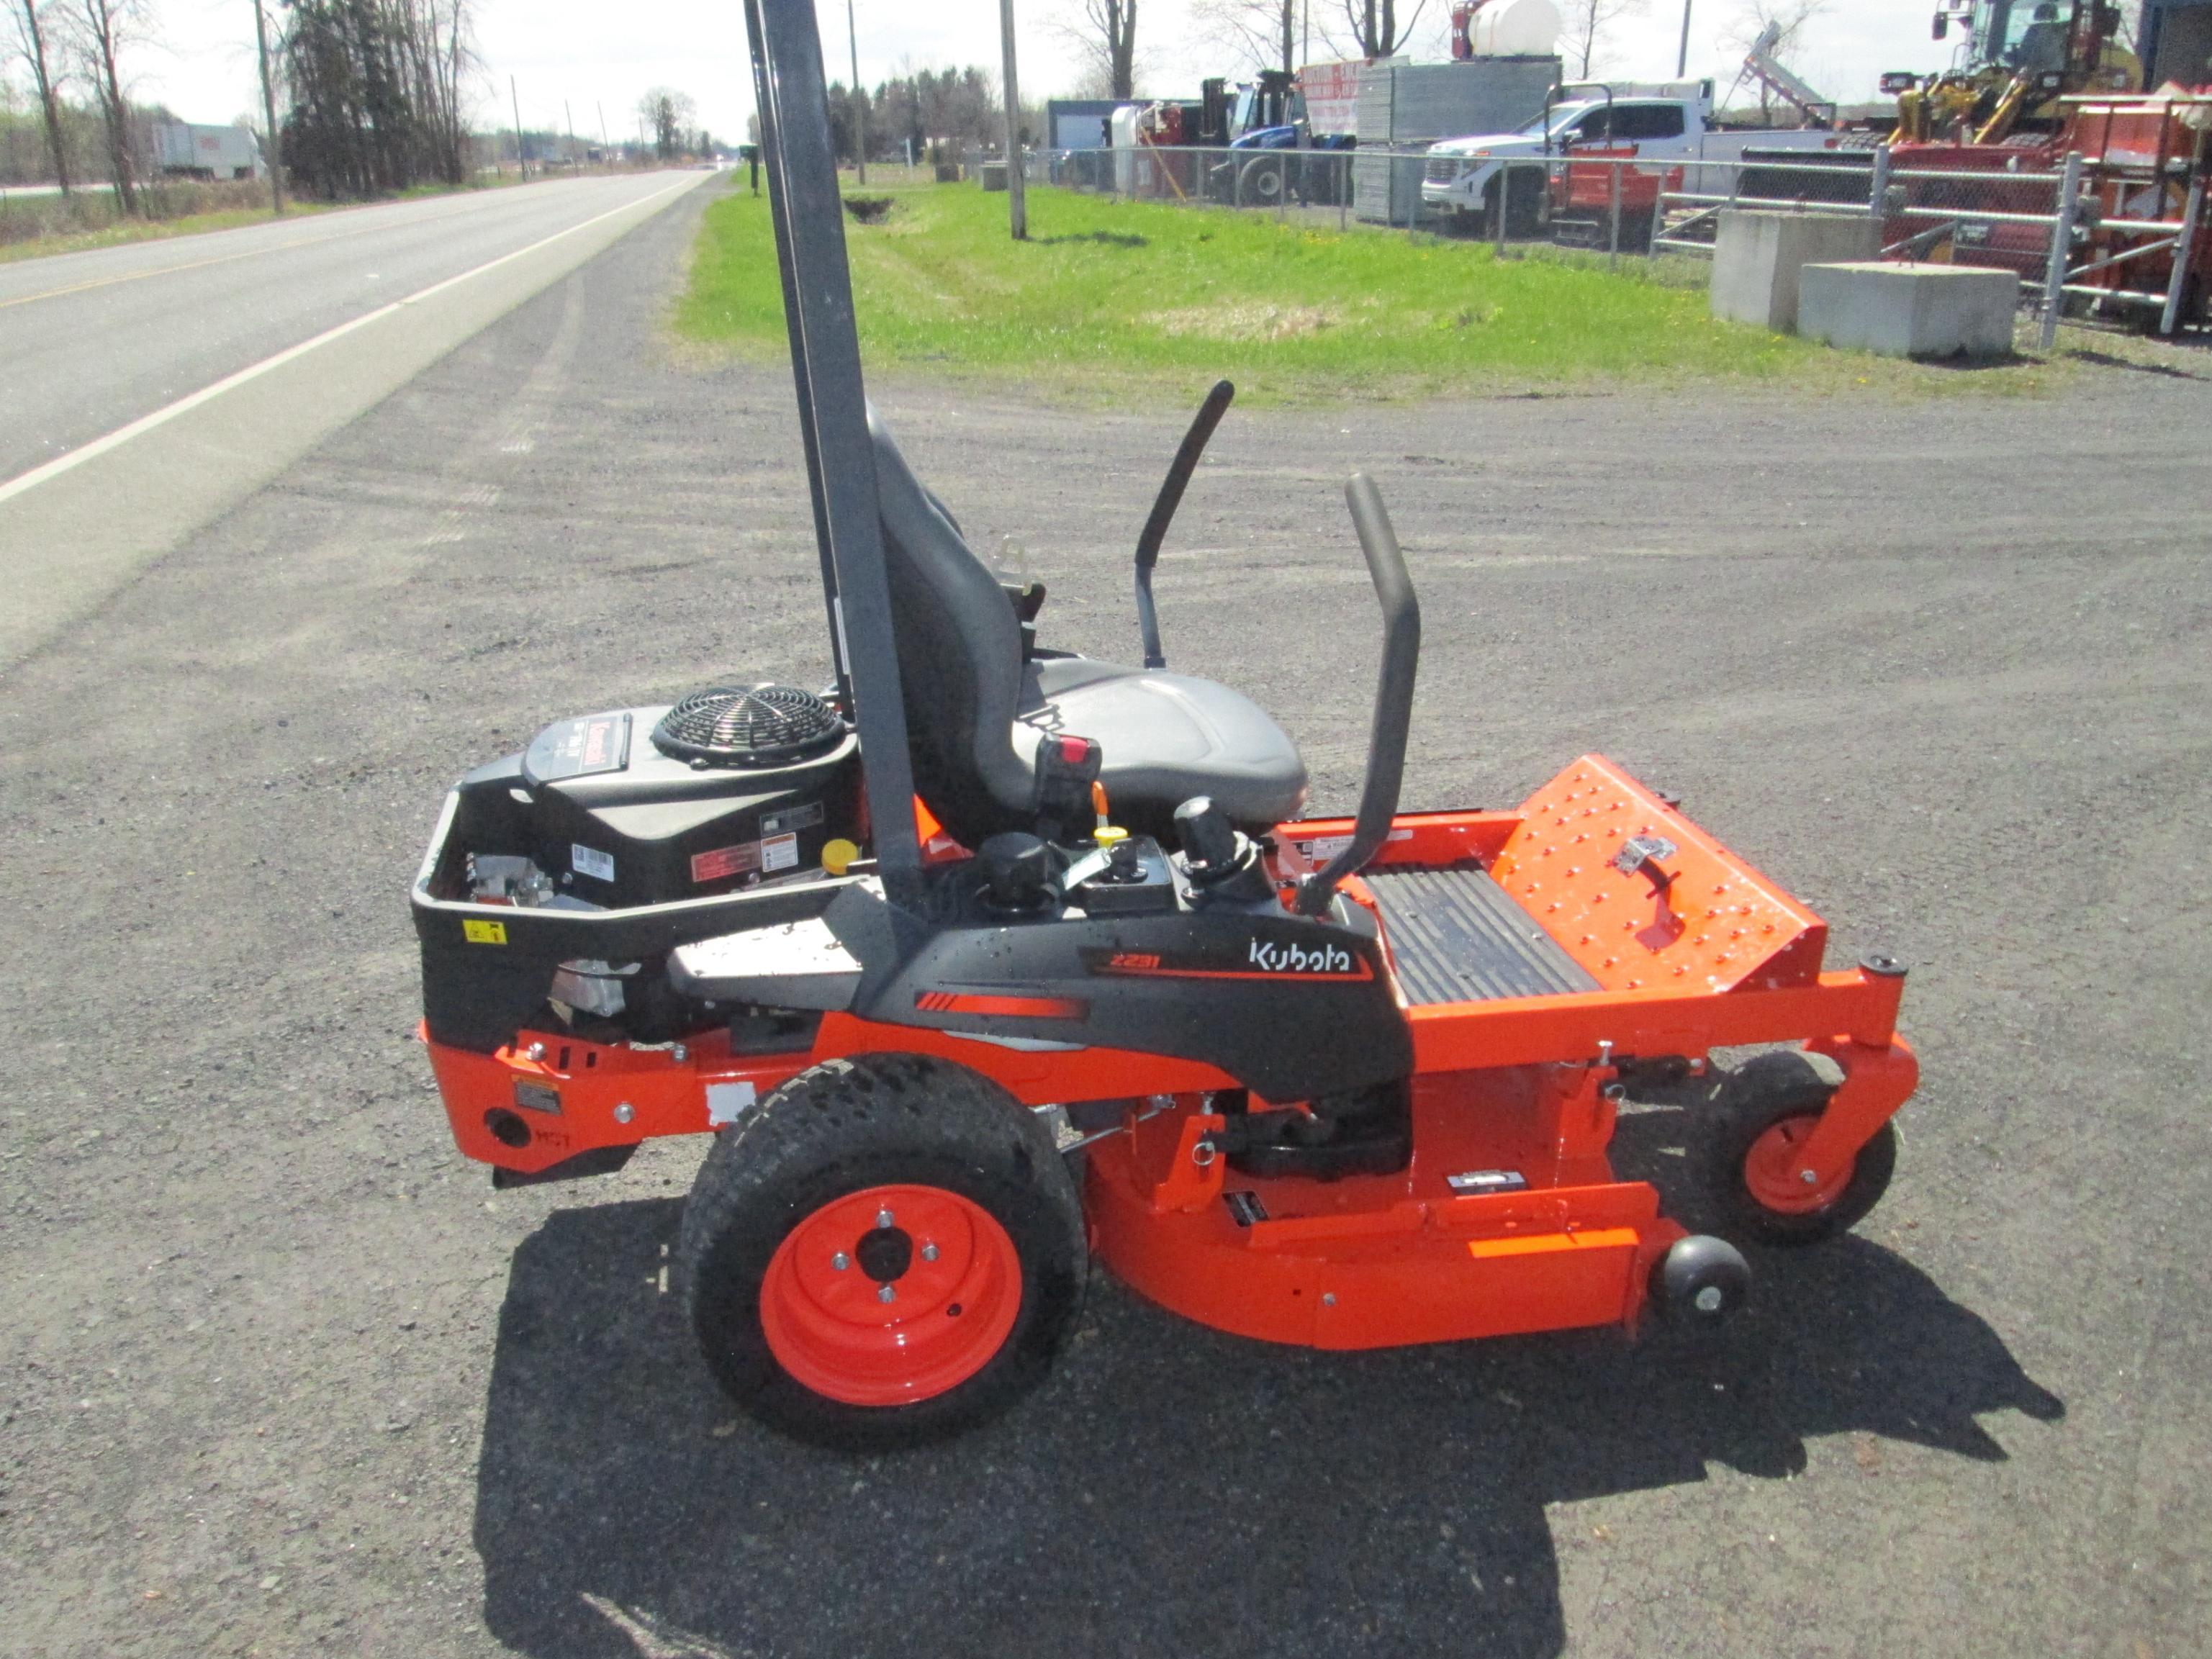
{"type": "Point", "coordinates": [1394, 695]}
{"type": "Point", "coordinates": [1163, 510]}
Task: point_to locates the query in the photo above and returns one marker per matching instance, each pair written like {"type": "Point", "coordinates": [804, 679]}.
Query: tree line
{"type": "Point", "coordinates": [372, 96]}
{"type": "Point", "coordinates": [935, 111]}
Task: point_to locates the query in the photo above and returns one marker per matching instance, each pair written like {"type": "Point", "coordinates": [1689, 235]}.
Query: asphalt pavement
{"type": "Point", "coordinates": [283, 1374]}
{"type": "Point", "coordinates": [150, 386]}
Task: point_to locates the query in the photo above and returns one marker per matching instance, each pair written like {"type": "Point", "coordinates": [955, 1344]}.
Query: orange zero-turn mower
{"type": "Point", "coordinates": [901, 948]}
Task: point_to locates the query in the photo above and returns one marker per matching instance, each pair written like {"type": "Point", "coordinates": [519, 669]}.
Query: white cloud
{"type": "Point", "coordinates": [595, 55]}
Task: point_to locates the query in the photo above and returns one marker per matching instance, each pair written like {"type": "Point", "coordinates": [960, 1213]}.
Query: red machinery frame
{"type": "Point", "coordinates": [1707, 954]}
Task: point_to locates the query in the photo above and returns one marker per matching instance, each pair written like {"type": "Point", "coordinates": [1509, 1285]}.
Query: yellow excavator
{"type": "Point", "coordinates": [2021, 57]}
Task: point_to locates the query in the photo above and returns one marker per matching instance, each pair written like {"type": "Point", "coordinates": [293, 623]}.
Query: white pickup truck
{"type": "Point", "coordinates": [1667, 127]}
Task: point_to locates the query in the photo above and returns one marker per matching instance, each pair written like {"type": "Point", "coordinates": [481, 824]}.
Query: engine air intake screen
{"type": "Point", "coordinates": [748, 725]}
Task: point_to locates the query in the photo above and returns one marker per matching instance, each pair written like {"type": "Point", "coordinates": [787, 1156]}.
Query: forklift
{"type": "Point", "coordinates": [989, 964]}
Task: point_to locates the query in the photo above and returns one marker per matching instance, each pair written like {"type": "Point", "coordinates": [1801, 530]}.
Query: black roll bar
{"type": "Point", "coordinates": [1394, 695]}
{"type": "Point", "coordinates": [791, 93]}
{"type": "Point", "coordinates": [1163, 510]}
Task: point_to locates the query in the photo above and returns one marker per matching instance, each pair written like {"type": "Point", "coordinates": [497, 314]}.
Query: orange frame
{"type": "Point", "coordinates": [1718, 956]}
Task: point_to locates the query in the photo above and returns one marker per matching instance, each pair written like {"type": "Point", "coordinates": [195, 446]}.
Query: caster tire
{"type": "Point", "coordinates": [887, 1251]}
{"type": "Point", "coordinates": [1765, 1109]}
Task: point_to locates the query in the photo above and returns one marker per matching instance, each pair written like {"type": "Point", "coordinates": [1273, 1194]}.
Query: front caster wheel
{"type": "Point", "coordinates": [1766, 1109]}
{"type": "Point", "coordinates": [888, 1251]}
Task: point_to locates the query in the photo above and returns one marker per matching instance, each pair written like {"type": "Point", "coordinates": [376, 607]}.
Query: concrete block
{"type": "Point", "coordinates": [1909, 310]}
{"type": "Point", "coordinates": [1757, 256]}
{"type": "Point", "coordinates": [994, 175]}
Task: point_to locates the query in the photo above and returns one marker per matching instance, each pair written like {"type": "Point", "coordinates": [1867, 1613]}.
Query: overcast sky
{"type": "Point", "coordinates": [597, 55]}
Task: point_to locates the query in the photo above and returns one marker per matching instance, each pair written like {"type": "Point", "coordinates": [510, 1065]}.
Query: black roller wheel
{"type": "Point", "coordinates": [887, 1251]}
{"type": "Point", "coordinates": [1764, 1109]}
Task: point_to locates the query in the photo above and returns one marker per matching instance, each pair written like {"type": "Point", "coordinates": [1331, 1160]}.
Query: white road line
{"type": "Point", "coordinates": [122, 434]}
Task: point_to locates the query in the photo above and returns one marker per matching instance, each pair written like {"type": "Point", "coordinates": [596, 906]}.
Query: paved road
{"type": "Point", "coordinates": [100, 344]}
{"type": "Point", "coordinates": [279, 1374]}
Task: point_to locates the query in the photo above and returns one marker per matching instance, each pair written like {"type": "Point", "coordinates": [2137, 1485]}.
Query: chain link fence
{"type": "Point", "coordinates": [2084, 243]}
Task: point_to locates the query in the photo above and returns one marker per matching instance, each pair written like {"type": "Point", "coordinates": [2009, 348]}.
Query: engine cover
{"type": "Point", "coordinates": [616, 822]}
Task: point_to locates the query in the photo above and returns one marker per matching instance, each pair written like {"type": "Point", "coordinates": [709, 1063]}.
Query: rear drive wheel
{"type": "Point", "coordinates": [1766, 1108]}
{"type": "Point", "coordinates": [888, 1251]}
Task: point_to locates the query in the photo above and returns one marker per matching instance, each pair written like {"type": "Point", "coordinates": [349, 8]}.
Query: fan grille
{"type": "Point", "coordinates": [748, 725]}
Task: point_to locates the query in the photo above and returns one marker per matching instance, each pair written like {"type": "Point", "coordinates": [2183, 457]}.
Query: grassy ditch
{"type": "Point", "coordinates": [1108, 293]}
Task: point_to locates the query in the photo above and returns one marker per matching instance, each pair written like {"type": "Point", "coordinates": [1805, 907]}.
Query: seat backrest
{"type": "Point", "coordinates": [960, 658]}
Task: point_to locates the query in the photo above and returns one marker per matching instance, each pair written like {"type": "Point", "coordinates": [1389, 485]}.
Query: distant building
{"type": "Point", "coordinates": [1079, 123]}
{"type": "Point", "coordinates": [2175, 42]}
{"type": "Point", "coordinates": [183, 150]}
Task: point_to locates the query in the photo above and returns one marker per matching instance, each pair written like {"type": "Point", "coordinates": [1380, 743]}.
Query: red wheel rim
{"type": "Point", "coordinates": [1774, 1171]}
{"type": "Point", "coordinates": [955, 1281]}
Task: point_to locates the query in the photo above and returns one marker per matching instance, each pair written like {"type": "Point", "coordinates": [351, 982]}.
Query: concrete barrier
{"type": "Point", "coordinates": [1757, 256]}
{"type": "Point", "coordinates": [1909, 310]}
{"type": "Point", "coordinates": [993, 174]}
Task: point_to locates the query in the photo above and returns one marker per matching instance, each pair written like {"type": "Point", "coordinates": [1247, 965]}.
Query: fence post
{"type": "Point", "coordinates": [2061, 248]}
{"type": "Point", "coordinates": [2185, 247]}
{"type": "Point", "coordinates": [1613, 235]}
{"type": "Point", "coordinates": [1878, 198]}
{"type": "Point", "coordinates": [1504, 202]}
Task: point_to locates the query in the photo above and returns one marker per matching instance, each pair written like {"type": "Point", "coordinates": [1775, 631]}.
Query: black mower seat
{"type": "Point", "coordinates": [976, 711]}
{"type": "Point", "coordinates": [1166, 738]}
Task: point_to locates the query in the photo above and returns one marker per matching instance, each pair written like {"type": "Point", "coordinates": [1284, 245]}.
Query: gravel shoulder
{"type": "Point", "coordinates": [279, 1373]}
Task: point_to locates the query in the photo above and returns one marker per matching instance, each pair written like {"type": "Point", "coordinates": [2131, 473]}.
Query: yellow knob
{"type": "Point", "coordinates": [1109, 835]}
{"type": "Point", "coordinates": [837, 854]}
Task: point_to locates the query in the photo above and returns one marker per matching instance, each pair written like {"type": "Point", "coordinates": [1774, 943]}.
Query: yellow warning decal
{"type": "Point", "coordinates": [485, 932]}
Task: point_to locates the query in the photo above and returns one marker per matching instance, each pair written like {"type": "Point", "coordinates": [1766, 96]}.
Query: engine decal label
{"type": "Point", "coordinates": [779, 852]}
{"type": "Point", "coordinates": [804, 816]}
{"type": "Point", "coordinates": [484, 932]}
{"type": "Point", "coordinates": [590, 861]}
{"type": "Point", "coordinates": [725, 862]}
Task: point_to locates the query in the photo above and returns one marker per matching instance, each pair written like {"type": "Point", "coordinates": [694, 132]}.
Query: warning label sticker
{"type": "Point", "coordinates": [726, 861]}
{"type": "Point", "coordinates": [779, 852]}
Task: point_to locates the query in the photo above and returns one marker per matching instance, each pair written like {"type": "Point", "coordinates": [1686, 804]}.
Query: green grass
{"type": "Point", "coordinates": [1107, 293]}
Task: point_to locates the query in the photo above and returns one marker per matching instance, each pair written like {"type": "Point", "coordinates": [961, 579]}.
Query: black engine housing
{"type": "Point", "coordinates": [616, 822]}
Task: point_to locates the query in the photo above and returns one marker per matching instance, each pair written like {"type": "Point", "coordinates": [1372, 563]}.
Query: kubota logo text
{"type": "Point", "coordinates": [1297, 959]}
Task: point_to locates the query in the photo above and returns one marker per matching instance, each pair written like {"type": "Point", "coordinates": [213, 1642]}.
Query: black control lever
{"type": "Point", "coordinates": [1394, 695]}
{"type": "Point", "coordinates": [1163, 510]}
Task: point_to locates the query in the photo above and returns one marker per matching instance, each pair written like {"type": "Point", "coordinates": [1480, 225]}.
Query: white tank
{"type": "Point", "coordinates": [1507, 28]}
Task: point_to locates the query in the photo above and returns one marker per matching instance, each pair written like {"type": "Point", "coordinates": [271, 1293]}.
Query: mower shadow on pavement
{"type": "Point", "coordinates": [1171, 1488]}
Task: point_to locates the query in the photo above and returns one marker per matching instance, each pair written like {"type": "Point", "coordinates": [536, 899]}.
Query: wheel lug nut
{"type": "Point", "coordinates": [841, 1261]}
{"type": "Point", "coordinates": [887, 1294]}
{"type": "Point", "coordinates": [1808, 1177]}
{"type": "Point", "coordinates": [929, 1253]}
{"type": "Point", "coordinates": [883, 1218]}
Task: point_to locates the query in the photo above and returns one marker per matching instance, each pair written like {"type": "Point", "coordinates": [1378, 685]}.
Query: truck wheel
{"type": "Point", "coordinates": [1260, 184]}
{"type": "Point", "coordinates": [1764, 1109]}
{"type": "Point", "coordinates": [888, 1251]}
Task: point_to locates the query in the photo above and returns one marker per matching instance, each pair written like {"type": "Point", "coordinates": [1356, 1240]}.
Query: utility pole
{"type": "Point", "coordinates": [606, 144]}
{"type": "Point", "coordinates": [570, 116]}
{"type": "Point", "coordinates": [1017, 207]}
{"type": "Point", "coordinates": [521, 158]}
{"type": "Point", "coordinates": [859, 100]}
{"type": "Point", "coordinates": [1682, 56]}
{"type": "Point", "coordinates": [272, 148]}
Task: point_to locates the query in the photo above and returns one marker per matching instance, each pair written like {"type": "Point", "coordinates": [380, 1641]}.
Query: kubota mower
{"type": "Point", "coordinates": [904, 947]}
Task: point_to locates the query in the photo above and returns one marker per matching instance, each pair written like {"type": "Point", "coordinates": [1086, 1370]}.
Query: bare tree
{"type": "Point", "coordinates": [1376, 30]}
{"type": "Point", "coordinates": [28, 40]}
{"type": "Point", "coordinates": [1263, 33]}
{"type": "Point", "coordinates": [1103, 33]}
{"type": "Point", "coordinates": [1585, 26]}
{"type": "Point", "coordinates": [99, 31]}
{"type": "Point", "coordinates": [669, 116]}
